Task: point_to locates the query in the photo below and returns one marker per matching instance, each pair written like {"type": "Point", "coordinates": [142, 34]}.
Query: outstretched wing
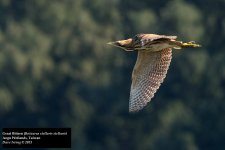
{"type": "Point", "coordinates": [149, 72]}
{"type": "Point", "coordinates": [141, 40]}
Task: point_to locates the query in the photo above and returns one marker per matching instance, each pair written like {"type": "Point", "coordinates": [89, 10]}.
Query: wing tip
{"type": "Point", "coordinates": [133, 108]}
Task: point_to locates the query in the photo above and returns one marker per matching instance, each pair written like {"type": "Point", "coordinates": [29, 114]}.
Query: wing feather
{"type": "Point", "coordinates": [149, 72]}
{"type": "Point", "coordinates": [140, 40]}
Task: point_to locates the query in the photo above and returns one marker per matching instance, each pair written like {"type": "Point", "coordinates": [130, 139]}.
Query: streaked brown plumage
{"type": "Point", "coordinates": [153, 60]}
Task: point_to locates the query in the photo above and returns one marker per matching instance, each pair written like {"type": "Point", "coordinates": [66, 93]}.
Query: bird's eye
{"type": "Point", "coordinates": [118, 44]}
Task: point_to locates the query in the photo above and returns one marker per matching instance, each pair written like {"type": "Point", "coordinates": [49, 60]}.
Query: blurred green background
{"type": "Point", "coordinates": [56, 70]}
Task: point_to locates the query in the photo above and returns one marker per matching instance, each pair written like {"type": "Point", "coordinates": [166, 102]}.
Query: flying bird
{"type": "Point", "coordinates": [153, 60]}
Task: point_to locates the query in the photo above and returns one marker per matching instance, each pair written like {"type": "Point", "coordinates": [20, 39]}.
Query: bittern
{"type": "Point", "coordinates": [153, 60]}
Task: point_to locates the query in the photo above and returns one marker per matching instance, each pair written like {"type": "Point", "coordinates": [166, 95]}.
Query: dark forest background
{"type": "Point", "coordinates": [56, 70]}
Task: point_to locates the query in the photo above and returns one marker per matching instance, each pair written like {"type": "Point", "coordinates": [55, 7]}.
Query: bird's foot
{"type": "Point", "coordinates": [190, 44]}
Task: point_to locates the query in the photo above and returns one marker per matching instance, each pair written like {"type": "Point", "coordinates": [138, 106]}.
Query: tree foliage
{"type": "Point", "coordinates": [56, 70]}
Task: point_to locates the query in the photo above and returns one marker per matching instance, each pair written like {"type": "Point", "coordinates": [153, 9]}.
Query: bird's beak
{"type": "Point", "coordinates": [111, 43]}
{"type": "Point", "coordinates": [121, 43]}
{"type": "Point", "coordinates": [124, 44]}
{"type": "Point", "coordinates": [116, 44]}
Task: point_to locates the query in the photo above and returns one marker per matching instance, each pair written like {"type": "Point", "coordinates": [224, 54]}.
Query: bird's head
{"type": "Point", "coordinates": [122, 43]}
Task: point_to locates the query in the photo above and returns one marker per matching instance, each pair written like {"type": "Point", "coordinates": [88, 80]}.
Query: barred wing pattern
{"type": "Point", "coordinates": [149, 72]}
